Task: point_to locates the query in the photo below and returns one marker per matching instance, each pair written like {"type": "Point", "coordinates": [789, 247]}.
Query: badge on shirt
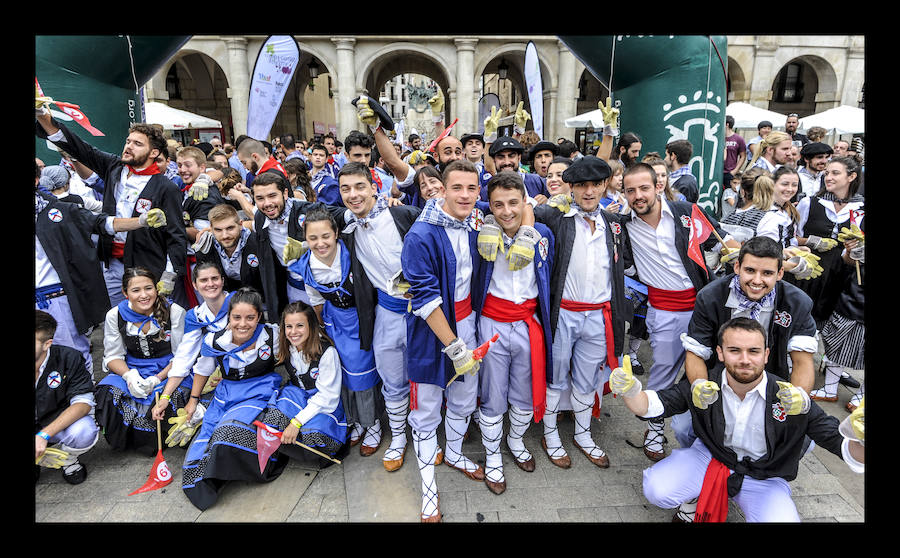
{"type": "Point", "coordinates": [143, 205]}
{"type": "Point", "coordinates": [252, 260]}
{"type": "Point", "coordinates": [55, 215]}
{"type": "Point", "coordinates": [616, 228]}
{"type": "Point", "coordinates": [314, 373]}
{"type": "Point", "coordinates": [265, 352]}
{"type": "Point", "coordinates": [778, 412]}
{"type": "Point", "coordinates": [544, 248]}
{"type": "Point", "coordinates": [301, 219]}
{"type": "Point", "coordinates": [686, 221]}
{"type": "Point", "coordinates": [168, 335]}
{"type": "Point", "coordinates": [783, 319]}
{"type": "Point", "coordinates": [477, 219]}
{"type": "Point", "coordinates": [54, 379]}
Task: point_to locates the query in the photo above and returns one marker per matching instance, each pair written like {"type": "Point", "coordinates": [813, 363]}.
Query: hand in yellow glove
{"type": "Point", "coordinates": [437, 106]}
{"type": "Point", "coordinates": [199, 190]}
{"type": "Point", "coordinates": [853, 233]}
{"type": "Point", "coordinates": [213, 381]}
{"type": "Point", "coordinates": [858, 421]}
{"type": "Point", "coordinates": [366, 114]}
{"type": "Point", "coordinates": [795, 400]}
{"type": "Point", "coordinates": [622, 381]}
{"type": "Point", "coordinates": [154, 218]}
{"type": "Point", "coordinates": [610, 118]}
{"type": "Point", "coordinates": [521, 252]}
{"type": "Point", "coordinates": [491, 123]}
{"type": "Point", "coordinates": [490, 239]}
{"type": "Point", "coordinates": [704, 393]}
{"type": "Point", "coordinates": [522, 117]}
{"type": "Point", "coordinates": [417, 157]}
{"type": "Point", "coordinates": [52, 458]}
{"type": "Point", "coordinates": [293, 249]}
{"type": "Point", "coordinates": [166, 284]}
{"type": "Point", "coordinates": [562, 202]}
{"type": "Point", "coordinates": [729, 254]}
{"type": "Point", "coordinates": [183, 428]}
{"type": "Point", "coordinates": [806, 264]}
{"type": "Point", "coordinates": [820, 244]}
{"type": "Point", "coordinates": [41, 103]}
{"type": "Point", "coordinates": [461, 356]}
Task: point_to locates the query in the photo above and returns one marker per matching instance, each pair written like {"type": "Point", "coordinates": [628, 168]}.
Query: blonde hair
{"type": "Point", "coordinates": [771, 140]}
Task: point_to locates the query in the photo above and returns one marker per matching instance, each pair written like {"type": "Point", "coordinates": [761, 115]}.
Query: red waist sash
{"type": "Point", "coordinates": [462, 308]}
{"type": "Point", "coordinates": [672, 301]}
{"type": "Point", "coordinates": [712, 505]}
{"type": "Point", "coordinates": [611, 359]}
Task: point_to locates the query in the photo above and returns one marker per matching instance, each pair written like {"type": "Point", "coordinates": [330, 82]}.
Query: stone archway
{"type": "Point", "coordinates": [194, 81]}
{"type": "Point", "coordinates": [817, 79]}
{"type": "Point", "coordinates": [738, 86]}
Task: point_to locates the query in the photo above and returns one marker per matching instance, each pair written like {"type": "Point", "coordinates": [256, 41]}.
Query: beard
{"type": "Point", "coordinates": [745, 375]}
{"type": "Point", "coordinates": [136, 161]}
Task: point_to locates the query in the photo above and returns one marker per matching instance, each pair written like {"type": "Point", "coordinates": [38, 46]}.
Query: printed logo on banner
{"type": "Point", "coordinates": [55, 215]}
{"type": "Point", "coordinates": [143, 205]}
{"type": "Point", "coordinates": [252, 260]}
{"type": "Point", "coordinates": [54, 379]}
{"type": "Point", "coordinates": [265, 352]}
{"type": "Point", "coordinates": [778, 412]}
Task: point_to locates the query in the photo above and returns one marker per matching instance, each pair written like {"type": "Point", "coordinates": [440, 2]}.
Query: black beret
{"type": "Point", "coordinates": [471, 136]}
{"type": "Point", "coordinates": [814, 148]}
{"type": "Point", "coordinates": [587, 169]}
{"type": "Point", "coordinates": [545, 145]}
{"type": "Point", "coordinates": [505, 142]}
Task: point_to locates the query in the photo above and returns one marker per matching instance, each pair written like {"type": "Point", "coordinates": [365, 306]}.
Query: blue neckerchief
{"type": "Point", "coordinates": [40, 202]}
{"type": "Point", "coordinates": [381, 204]}
{"type": "Point", "coordinates": [238, 250]}
{"type": "Point", "coordinates": [434, 215]}
{"type": "Point", "coordinates": [192, 322]}
{"type": "Point", "coordinates": [131, 316]}
{"type": "Point", "coordinates": [207, 351]}
{"type": "Point", "coordinates": [301, 267]}
{"type": "Point", "coordinates": [744, 303]}
{"type": "Point", "coordinates": [592, 215]}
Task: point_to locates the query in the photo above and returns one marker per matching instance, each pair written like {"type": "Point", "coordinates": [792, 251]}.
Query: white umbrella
{"type": "Point", "coordinates": [747, 116]}
{"type": "Point", "coordinates": [175, 119]}
{"type": "Point", "coordinates": [844, 119]}
{"type": "Point", "coordinates": [593, 118]}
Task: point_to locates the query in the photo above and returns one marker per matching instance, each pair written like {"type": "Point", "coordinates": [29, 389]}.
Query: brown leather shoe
{"type": "Point", "coordinates": [527, 466]}
{"type": "Point", "coordinates": [439, 458]}
{"type": "Point", "coordinates": [436, 518]}
{"type": "Point", "coordinates": [366, 451]}
{"type": "Point", "coordinates": [602, 461]}
{"type": "Point", "coordinates": [392, 465]}
{"type": "Point", "coordinates": [851, 407]}
{"type": "Point", "coordinates": [495, 487]}
{"type": "Point", "coordinates": [476, 475]}
{"type": "Point", "coordinates": [563, 462]}
{"type": "Point", "coordinates": [652, 455]}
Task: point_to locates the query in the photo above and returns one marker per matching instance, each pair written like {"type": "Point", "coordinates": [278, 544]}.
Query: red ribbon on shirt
{"type": "Point", "coordinates": [506, 311]}
{"type": "Point", "coordinates": [611, 359]}
{"type": "Point", "coordinates": [712, 505]}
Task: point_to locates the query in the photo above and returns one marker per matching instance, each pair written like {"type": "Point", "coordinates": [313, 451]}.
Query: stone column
{"type": "Point", "coordinates": [566, 94]}
{"type": "Point", "coordinates": [238, 82]}
{"type": "Point", "coordinates": [855, 72]}
{"type": "Point", "coordinates": [464, 107]}
{"type": "Point", "coordinates": [764, 72]}
{"type": "Point", "coordinates": [346, 88]}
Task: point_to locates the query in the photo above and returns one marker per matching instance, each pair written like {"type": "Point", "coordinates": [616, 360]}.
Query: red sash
{"type": "Point", "coordinates": [118, 250]}
{"type": "Point", "coordinates": [712, 505]}
{"type": "Point", "coordinates": [462, 308]}
{"type": "Point", "coordinates": [506, 311]}
{"type": "Point", "coordinates": [672, 301]}
{"type": "Point", "coordinates": [611, 359]}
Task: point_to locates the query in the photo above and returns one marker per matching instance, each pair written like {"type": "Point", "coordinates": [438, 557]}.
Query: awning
{"type": "Point", "coordinates": [175, 119]}
{"type": "Point", "coordinates": [844, 119]}
{"type": "Point", "coordinates": [748, 117]}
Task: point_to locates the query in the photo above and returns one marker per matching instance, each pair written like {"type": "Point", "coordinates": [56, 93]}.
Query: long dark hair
{"type": "Point", "coordinates": [850, 165]}
{"type": "Point", "coordinates": [161, 312]}
{"type": "Point", "coordinates": [297, 167]}
{"type": "Point", "coordinates": [313, 347]}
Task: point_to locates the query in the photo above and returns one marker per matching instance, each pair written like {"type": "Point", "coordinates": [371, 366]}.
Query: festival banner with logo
{"type": "Point", "coordinates": [535, 88]}
{"type": "Point", "coordinates": [275, 65]}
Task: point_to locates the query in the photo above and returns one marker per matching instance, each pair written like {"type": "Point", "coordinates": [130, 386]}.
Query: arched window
{"type": "Point", "coordinates": [172, 84]}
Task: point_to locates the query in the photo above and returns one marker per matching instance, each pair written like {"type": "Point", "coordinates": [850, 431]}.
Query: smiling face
{"type": "Point", "coordinates": [448, 150]}
{"type": "Point", "coordinates": [507, 160]}
{"type": "Point", "coordinates": [430, 187]}
{"type": "Point", "coordinates": [242, 321]}
{"type": "Point", "coordinates": [837, 180]}
{"type": "Point", "coordinates": [189, 169]}
{"type": "Point", "coordinates": [209, 283]}
{"type": "Point", "coordinates": [460, 193]}
{"type": "Point", "coordinates": [296, 329]}
{"type": "Point", "coordinates": [757, 276]}
{"type": "Point", "coordinates": [141, 294]}
{"type": "Point", "coordinates": [555, 183]}
{"type": "Point", "coordinates": [322, 240]}
{"type": "Point", "coordinates": [358, 193]}
{"type": "Point", "coordinates": [507, 205]}
{"type": "Point", "coordinates": [786, 187]}
{"type": "Point", "coordinates": [744, 354]}
{"type": "Point", "coordinates": [641, 192]}
{"type": "Point", "coordinates": [269, 199]}
{"type": "Point", "coordinates": [474, 150]}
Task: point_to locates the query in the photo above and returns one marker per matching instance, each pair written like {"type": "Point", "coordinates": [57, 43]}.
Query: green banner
{"type": "Point", "coordinates": [102, 74]}
{"type": "Point", "coordinates": [667, 87]}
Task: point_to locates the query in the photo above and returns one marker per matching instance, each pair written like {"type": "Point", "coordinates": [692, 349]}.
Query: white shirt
{"type": "Point", "coordinates": [206, 365]}
{"type": "Point", "coordinates": [768, 225]}
{"type": "Point", "coordinates": [328, 383]}
{"type": "Point", "coordinates": [655, 255]}
{"type": "Point", "coordinates": [378, 248]}
{"type": "Point", "coordinates": [323, 274]}
{"type": "Point", "coordinates": [763, 163]}
{"type": "Point", "coordinates": [44, 274]}
{"type": "Point", "coordinates": [114, 346]}
{"type": "Point", "coordinates": [278, 230]}
{"type": "Point", "coordinates": [514, 286]}
{"type": "Point", "coordinates": [189, 349]}
{"type": "Point", "coordinates": [128, 191]}
{"type": "Point", "coordinates": [809, 183]}
{"type": "Point", "coordinates": [836, 218]}
{"type": "Point", "coordinates": [588, 276]}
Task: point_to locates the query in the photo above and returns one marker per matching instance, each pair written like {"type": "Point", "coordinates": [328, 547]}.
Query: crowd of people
{"type": "Point", "coordinates": [312, 289]}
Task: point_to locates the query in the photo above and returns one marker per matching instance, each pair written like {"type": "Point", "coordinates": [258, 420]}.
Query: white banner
{"type": "Point", "coordinates": [272, 74]}
{"type": "Point", "coordinates": [535, 88]}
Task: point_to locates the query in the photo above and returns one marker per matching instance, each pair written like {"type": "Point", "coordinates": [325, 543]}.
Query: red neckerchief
{"type": "Point", "coordinates": [151, 169]}
{"type": "Point", "coordinates": [272, 163]}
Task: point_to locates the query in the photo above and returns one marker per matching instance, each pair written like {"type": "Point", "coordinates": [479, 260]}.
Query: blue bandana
{"type": "Point", "coordinates": [131, 316]}
{"type": "Point", "coordinates": [434, 215]}
{"type": "Point", "coordinates": [207, 351]}
{"type": "Point", "coordinates": [192, 322]}
{"type": "Point", "coordinates": [744, 303]}
{"type": "Point", "coordinates": [301, 267]}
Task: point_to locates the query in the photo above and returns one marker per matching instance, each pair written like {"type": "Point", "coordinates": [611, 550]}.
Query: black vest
{"type": "Point", "coordinates": [145, 347]}
{"type": "Point", "coordinates": [259, 367]}
{"type": "Point", "coordinates": [306, 381]}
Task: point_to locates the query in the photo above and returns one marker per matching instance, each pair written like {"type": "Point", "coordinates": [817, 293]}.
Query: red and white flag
{"type": "Point", "coordinates": [700, 231]}
{"type": "Point", "coordinates": [81, 118]}
{"type": "Point", "coordinates": [268, 439]}
{"type": "Point", "coordinates": [160, 475]}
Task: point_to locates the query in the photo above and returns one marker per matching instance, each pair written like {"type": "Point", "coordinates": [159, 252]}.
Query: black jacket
{"type": "Point", "coordinates": [250, 276]}
{"type": "Point", "coordinates": [65, 376]}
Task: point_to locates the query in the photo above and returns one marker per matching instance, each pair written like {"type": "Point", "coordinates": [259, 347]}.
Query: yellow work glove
{"type": "Point", "coordinates": [491, 123]}
{"type": "Point", "coordinates": [183, 429]}
{"type": "Point", "coordinates": [154, 218]}
{"type": "Point", "coordinates": [52, 458]}
{"type": "Point", "coordinates": [366, 115]}
{"type": "Point", "coordinates": [858, 421]}
{"type": "Point", "coordinates": [166, 284]}
{"type": "Point", "coordinates": [417, 157]}
{"type": "Point", "coordinates": [562, 202]}
{"type": "Point", "coordinates": [521, 252]}
{"type": "Point", "coordinates": [820, 244]}
{"type": "Point", "coordinates": [41, 103]}
{"type": "Point", "coordinates": [213, 381]}
{"type": "Point", "coordinates": [461, 356]}
{"type": "Point", "coordinates": [729, 254]}
{"type": "Point", "coordinates": [853, 233]}
{"type": "Point", "coordinates": [794, 399]}
{"type": "Point", "coordinates": [199, 190]}
{"type": "Point", "coordinates": [704, 393]}
{"type": "Point", "coordinates": [807, 264]}
{"type": "Point", "coordinates": [522, 117]}
{"type": "Point", "coordinates": [490, 239]}
{"type": "Point", "coordinates": [437, 106]}
{"type": "Point", "coordinates": [610, 118]}
{"type": "Point", "coordinates": [622, 381]}
{"type": "Point", "coordinates": [293, 249]}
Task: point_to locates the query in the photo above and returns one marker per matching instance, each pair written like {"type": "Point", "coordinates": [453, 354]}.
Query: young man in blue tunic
{"type": "Point", "coordinates": [440, 263]}
{"type": "Point", "coordinates": [514, 297]}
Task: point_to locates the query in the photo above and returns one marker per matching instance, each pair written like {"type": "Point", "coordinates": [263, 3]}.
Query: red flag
{"type": "Point", "coordinates": [700, 231]}
{"type": "Point", "coordinates": [443, 135]}
{"type": "Point", "coordinates": [160, 475]}
{"type": "Point", "coordinates": [482, 349]}
{"type": "Point", "coordinates": [268, 439]}
{"type": "Point", "coordinates": [81, 118]}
